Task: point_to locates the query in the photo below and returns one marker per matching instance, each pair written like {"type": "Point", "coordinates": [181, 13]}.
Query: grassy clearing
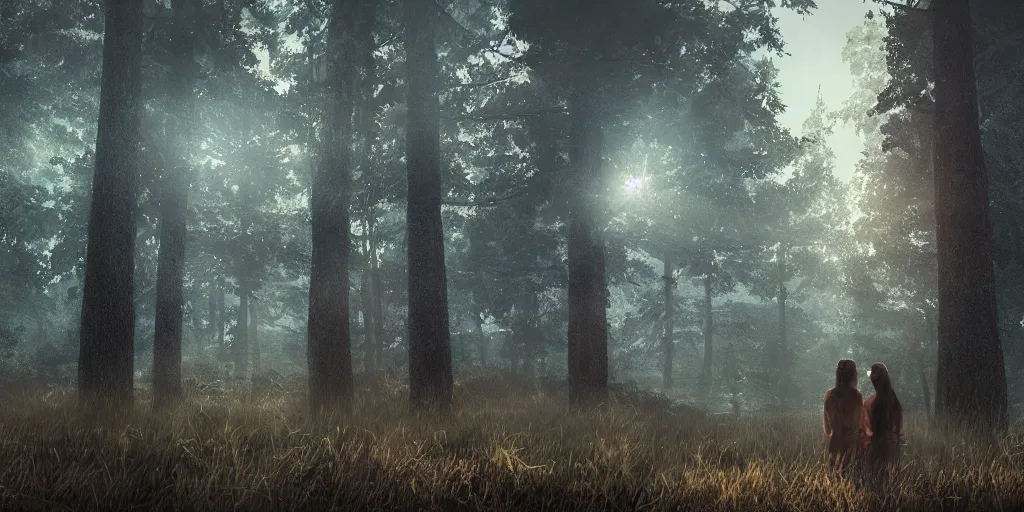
{"type": "Point", "coordinates": [505, 447]}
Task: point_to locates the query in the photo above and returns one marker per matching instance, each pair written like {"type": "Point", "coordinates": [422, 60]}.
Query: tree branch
{"type": "Point", "coordinates": [489, 202]}
{"type": "Point", "coordinates": [904, 7]}
{"type": "Point", "coordinates": [499, 115]}
{"type": "Point", "coordinates": [387, 41]}
{"type": "Point", "coordinates": [485, 83]}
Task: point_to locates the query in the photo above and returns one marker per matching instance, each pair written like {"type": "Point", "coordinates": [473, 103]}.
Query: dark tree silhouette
{"type": "Point", "coordinates": [107, 341]}
{"type": "Point", "coordinates": [430, 360]}
{"type": "Point", "coordinates": [173, 210]}
{"type": "Point", "coordinates": [971, 387]}
{"type": "Point", "coordinates": [330, 342]}
{"type": "Point", "coordinates": [668, 338]}
{"type": "Point", "coordinates": [588, 291]}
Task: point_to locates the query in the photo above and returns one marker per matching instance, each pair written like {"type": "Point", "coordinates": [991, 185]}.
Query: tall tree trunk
{"type": "Point", "coordinates": [588, 327]}
{"type": "Point", "coordinates": [971, 389]}
{"type": "Point", "coordinates": [481, 340]}
{"type": "Point", "coordinates": [211, 314]}
{"type": "Point", "coordinates": [169, 296]}
{"type": "Point", "coordinates": [198, 336]}
{"type": "Point", "coordinates": [367, 67]}
{"type": "Point", "coordinates": [366, 125]}
{"type": "Point", "coordinates": [254, 339]}
{"type": "Point", "coordinates": [368, 328]}
{"type": "Point", "coordinates": [377, 303]}
{"type": "Point", "coordinates": [376, 294]}
{"type": "Point", "coordinates": [240, 345]}
{"type": "Point", "coordinates": [709, 330]}
{"type": "Point", "coordinates": [781, 355]}
{"type": "Point", "coordinates": [430, 353]}
{"type": "Point", "coordinates": [245, 273]}
{"type": "Point", "coordinates": [668, 339]}
{"type": "Point", "coordinates": [530, 333]}
{"type": "Point", "coordinates": [922, 373]}
{"type": "Point", "coordinates": [221, 320]}
{"type": "Point", "coordinates": [173, 211]}
{"type": "Point", "coordinates": [330, 343]}
{"type": "Point", "coordinates": [106, 343]}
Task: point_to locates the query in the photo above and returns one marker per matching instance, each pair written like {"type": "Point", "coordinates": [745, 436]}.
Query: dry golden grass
{"type": "Point", "coordinates": [502, 448]}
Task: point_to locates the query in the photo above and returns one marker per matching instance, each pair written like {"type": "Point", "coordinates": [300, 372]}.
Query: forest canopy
{"type": "Point", "coordinates": [576, 192]}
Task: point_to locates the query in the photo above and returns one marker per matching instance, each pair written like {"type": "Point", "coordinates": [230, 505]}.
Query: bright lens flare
{"type": "Point", "coordinates": [633, 184]}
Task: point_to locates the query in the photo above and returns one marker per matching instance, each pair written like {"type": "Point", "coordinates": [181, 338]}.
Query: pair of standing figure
{"type": "Point", "coordinates": [855, 427]}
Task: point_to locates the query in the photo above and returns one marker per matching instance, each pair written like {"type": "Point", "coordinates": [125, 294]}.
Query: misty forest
{"type": "Point", "coordinates": [507, 254]}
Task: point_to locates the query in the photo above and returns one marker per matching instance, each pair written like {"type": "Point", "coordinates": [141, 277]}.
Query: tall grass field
{"type": "Point", "coordinates": [505, 446]}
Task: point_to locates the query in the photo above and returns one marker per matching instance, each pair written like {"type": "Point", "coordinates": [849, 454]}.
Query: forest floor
{"type": "Point", "coordinates": [505, 446]}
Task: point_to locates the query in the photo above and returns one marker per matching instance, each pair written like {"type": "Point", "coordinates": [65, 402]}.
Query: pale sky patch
{"type": "Point", "coordinates": [815, 44]}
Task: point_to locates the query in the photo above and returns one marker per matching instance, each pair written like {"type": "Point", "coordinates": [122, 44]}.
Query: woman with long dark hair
{"type": "Point", "coordinates": [844, 415]}
{"type": "Point", "coordinates": [883, 419]}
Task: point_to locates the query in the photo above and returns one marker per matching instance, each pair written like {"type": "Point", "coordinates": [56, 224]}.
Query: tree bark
{"type": "Point", "coordinates": [922, 373]}
{"type": "Point", "coordinates": [330, 344]}
{"type": "Point", "coordinates": [367, 126]}
{"type": "Point", "coordinates": [481, 340]}
{"type": "Point", "coordinates": [530, 335]}
{"type": "Point", "coordinates": [211, 314]}
{"type": "Point", "coordinates": [169, 297]}
{"type": "Point", "coordinates": [377, 303]}
{"type": "Point", "coordinates": [106, 343]}
{"type": "Point", "coordinates": [240, 345]}
{"type": "Point", "coordinates": [173, 212]}
{"type": "Point", "coordinates": [221, 349]}
{"type": "Point", "coordinates": [376, 292]}
{"type": "Point", "coordinates": [430, 357]}
{"type": "Point", "coordinates": [781, 356]}
{"type": "Point", "coordinates": [245, 274]}
{"type": "Point", "coordinates": [369, 330]}
{"type": "Point", "coordinates": [709, 329]}
{"type": "Point", "coordinates": [971, 389]}
{"type": "Point", "coordinates": [254, 339]}
{"type": "Point", "coordinates": [198, 336]}
{"type": "Point", "coordinates": [668, 339]}
{"type": "Point", "coordinates": [588, 327]}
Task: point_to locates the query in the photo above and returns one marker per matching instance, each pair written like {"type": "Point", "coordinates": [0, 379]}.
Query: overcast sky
{"type": "Point", "coordinates": [815, 44]}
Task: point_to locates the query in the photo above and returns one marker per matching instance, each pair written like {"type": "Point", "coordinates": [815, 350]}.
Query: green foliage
{"type": "Point", "coordinates": [891, 270]}
{"type": "Point", "coordinates": [699, 171]}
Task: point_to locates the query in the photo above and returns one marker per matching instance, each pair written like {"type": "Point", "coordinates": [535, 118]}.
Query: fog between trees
{"type": "Point", "coordinates": [582, 192]}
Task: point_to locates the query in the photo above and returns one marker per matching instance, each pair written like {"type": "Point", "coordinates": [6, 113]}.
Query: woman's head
{"type": "Point", "coordinates": [879, 375]}
{"type": "Point", "coordinates": [846, 374]}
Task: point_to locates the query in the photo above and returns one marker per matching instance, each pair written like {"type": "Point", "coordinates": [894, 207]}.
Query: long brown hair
{"type": "Point", "coordinates": [883, 409]}
{"type": "Point", "coordinates": [846, 374]}
{"type": "Point", "coordinates": [845, 395]}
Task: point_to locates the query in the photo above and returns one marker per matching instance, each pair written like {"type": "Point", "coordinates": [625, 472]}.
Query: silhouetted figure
{"type": "Point", "coordinates": [883, 419]}
{"type": "Point", "coordinates": [844, 415]}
